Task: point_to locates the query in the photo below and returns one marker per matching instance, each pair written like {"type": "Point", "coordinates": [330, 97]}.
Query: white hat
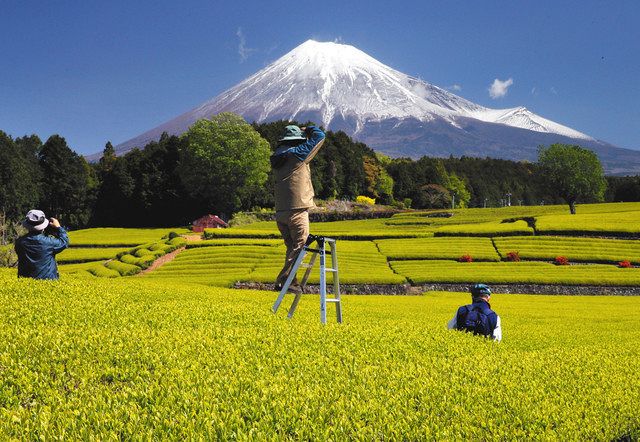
{"type": "Point", "coordinates": [35, 220]}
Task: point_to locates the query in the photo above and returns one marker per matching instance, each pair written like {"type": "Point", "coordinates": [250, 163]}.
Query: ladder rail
{"type": "Point", "coordinates": [290, 278]}
{"type": "Point", "coordinates": [322, 251]}
{"type": "Point", "coordinates": [336, 281]}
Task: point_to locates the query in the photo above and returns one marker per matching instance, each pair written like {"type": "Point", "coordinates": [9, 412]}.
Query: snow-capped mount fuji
{"type": "Point", "coordinates": [343, 88]}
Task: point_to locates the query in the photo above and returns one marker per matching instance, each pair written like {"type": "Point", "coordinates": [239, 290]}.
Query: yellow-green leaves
{"type": "Point", "coordinates": [134, 358]}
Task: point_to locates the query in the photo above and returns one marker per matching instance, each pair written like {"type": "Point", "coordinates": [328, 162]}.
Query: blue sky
{"type": "Point", "coordinates": [94, 71]}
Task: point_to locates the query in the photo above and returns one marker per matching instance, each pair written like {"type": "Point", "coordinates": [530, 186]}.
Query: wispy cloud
{"type": "Point", "coordinates": [499, 88]}
{"type": "Point", "coordinates": [534, 91]}
{"type": "Point", "coordinates": [455, 87]}
{"type": "Point", "coordinates": [553, 90]}
{"type": "Point", "coordinates": [243, 50]}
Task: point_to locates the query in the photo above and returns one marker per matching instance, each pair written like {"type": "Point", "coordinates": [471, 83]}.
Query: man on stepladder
{"type": "Point", "coordinates": [294, 191]}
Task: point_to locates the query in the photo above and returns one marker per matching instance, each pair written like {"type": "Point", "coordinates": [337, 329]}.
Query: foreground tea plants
{"type": "Point", "coordinates": [135, 359]}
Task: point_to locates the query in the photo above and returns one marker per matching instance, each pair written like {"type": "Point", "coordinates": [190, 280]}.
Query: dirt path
{"type": "Point", "coordinates": [192, 237]}
{"type": "Point", "coordinates": [161, 261]}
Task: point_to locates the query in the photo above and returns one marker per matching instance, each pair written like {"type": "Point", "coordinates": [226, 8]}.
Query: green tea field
{"type": "Point", "coordinates": [145, 338]}
{"type": "Point", "coordinates": [136, 358]}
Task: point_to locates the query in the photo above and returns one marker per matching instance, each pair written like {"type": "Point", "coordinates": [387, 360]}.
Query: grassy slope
{"type": "Point", "coordinates": [132, 358]}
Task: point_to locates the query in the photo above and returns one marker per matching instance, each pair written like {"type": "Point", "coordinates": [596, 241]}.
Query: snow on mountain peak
{"type": "Point", "coordinates": [340, 81]}
{"type": "Point", "coordinates": [343, 88]}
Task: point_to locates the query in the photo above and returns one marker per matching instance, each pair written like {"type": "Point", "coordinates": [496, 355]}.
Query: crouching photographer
{"type": "Point", "coordinates": [38, 248]}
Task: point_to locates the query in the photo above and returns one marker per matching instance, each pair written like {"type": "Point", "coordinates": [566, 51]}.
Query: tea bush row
{"type": "Point", "coordinates": [420, 272]}
{"type": "Point", "coordinates": [611, 224]}
{"type": "Point", "coordinates": [486, 229]}
{"type": "Point", "coordinates": [85, 254]}
{"type": "Point", "coordinates": [575, 249]}
{"type": "Point", "coordinates": [481, 249]}
{"type": "Point", "coordinates": [119, 237]}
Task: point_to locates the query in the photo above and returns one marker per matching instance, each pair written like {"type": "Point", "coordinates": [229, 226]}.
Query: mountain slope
{"type": "Point", "coordinates": [343, 88]}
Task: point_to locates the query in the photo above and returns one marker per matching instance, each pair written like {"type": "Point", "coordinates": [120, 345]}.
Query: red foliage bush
{"type": "Point", "coordinates": [561, 261]}
{"type": "Point", "coordinates": [465, 258]}
{"type": "Point", "coordinates": [625, 264]}
{"type": "Point", "coordinates": [513, 256]}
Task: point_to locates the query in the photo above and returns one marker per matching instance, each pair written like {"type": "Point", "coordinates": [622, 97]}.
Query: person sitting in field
{"type": "Point", "coordinates": [477, 317]}
{"type": "Point", "coordinates": [37, 250]}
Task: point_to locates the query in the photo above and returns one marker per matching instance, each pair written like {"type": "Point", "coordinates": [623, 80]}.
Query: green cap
{"type": "Point", "coordinates": [292, 132]}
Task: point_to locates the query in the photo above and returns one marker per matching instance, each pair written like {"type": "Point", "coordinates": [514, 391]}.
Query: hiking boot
{"type": "Point", "coordinates": [294, 288]}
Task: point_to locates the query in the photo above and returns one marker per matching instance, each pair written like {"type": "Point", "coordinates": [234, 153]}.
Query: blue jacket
{"type": "Point", "coordinates": [300, 151]}
{"type": "Point", "coordinates": [37, 254]}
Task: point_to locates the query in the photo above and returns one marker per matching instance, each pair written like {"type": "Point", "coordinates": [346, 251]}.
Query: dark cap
{"type": "Point", "coordinates": [480, 290]}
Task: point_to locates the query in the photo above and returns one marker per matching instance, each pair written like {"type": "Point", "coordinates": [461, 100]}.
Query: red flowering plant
{"type": "Point", "coordinates": [561, 261]}
{"type": "Point", "coordinates": [465, 258]}
{"type": "Point", "coordinates": [625, 264]}
{"type": "Point", "coordinates": [513, 256]}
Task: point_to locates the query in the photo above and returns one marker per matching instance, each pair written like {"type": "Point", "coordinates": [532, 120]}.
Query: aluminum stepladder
{"type": "Point", "coordinates": [321, 251]}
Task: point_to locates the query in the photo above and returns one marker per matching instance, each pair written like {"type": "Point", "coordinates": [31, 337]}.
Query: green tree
{"type": "Point", "coordinates": [66, 182]}
{"type": "Point", "coordinates": [458, 189]}
{"type": "Point", "coordinates": [19, 176]}
{"type": "Point", "coordinates": [108, 158]}
{"type": "Point", "coordinates": [224, 163]}
{"type": "Point", "coordinates": [572, 173]}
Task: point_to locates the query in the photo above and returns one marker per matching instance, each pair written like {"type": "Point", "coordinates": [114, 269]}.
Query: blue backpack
{"type": "Point", "coordinates": [477, 318]}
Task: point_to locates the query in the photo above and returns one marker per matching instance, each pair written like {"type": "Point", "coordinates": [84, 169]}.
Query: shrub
{"type": "Point", "coordinates": [561, 261]}
{"type": "Point", "coordinates": [625, 264]}
{"type": "Point", "coordinates": [361, 199]}
{"type": "Point", "coordinates": [142, 262]}
{"type": "Point", "coordinates": [513, 256]}
{"type": "Point", "coordinates": [103, 272]}
{"type": "Point", "coordinates": [173, 235]}
{"type": "Point", "coordinates": [123, 268]}
{"type": "Point", "coordinates": [8, 257]}
{"type": "Point", "coordinates": [243, 219]}
{"type": "Point", "coordinates": [178, 241]}
{"type": "Point", "coordinates": [465, 258]}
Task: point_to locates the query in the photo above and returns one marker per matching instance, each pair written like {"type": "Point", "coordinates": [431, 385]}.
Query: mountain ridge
{"type": "Point", "coordinates": [345, 89]}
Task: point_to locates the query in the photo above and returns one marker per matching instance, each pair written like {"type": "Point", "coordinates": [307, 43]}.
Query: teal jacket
{"type": "Point", "coordinates": [37, 254]}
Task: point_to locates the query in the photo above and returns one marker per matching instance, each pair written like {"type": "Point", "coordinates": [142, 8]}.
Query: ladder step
{"type": "Point", "coordinates": [333, 300]}
{"type": "Point", "coordinates": [331, 270]}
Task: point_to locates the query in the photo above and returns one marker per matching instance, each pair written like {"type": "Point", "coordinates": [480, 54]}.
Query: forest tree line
{"type": "Point", "coordinates": [221, 166]}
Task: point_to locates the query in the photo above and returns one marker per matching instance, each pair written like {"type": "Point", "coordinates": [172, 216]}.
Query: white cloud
{"type": "Point", "coordinates": [553, 90]}
{"type": "Point", "coordinates": [243, 50]}
{"type": "Point", "coordinates": [534, 91]}
{"type": "Point", "coordinates": [499, 88]}
{"type": "Point", "coordinates": [455, 87]}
